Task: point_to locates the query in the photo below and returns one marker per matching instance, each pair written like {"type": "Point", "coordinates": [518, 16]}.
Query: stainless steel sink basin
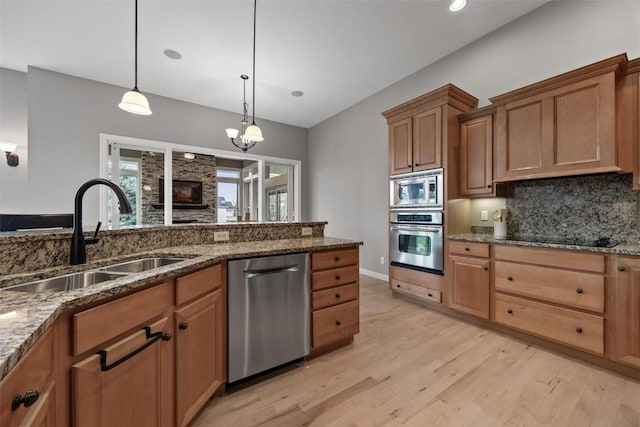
{"type": "Point", "coordinates": [140, 265]}
{"type": "Point", "coordinates": [67, 282]}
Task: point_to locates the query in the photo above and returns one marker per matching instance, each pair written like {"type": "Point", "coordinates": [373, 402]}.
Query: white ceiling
{"type": "Point", "coordinates": [337, 51]}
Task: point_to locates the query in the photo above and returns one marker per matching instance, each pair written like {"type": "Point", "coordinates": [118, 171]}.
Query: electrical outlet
{"type": "Point", "coordinates": [307, 231]}
{"type": "Point", "coordinates": [220, 236]}
{"type": "Point", "coordinates": [484, 215]}
{"type": "Point", "coordinates": [382, 260]}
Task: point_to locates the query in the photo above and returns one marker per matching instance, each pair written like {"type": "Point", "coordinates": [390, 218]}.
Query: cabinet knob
{"type": "Point", "coordinates": [30, 397]}
{"type": "Point", "coordinates": [509, 278]}
{"type": "Point", "coordinates": [489, 186]}
{"type": "Point", "coordinates": [466, 249]}
{"type": "Point", "coordinates": [417, 164]}
{"type": "Point", "coordinates": [338, 277]}
{"type": "Point", "coordinates": [485, 268]}
{"type": "Point", "coordinates": [430, 294]}
{"type": "Point", "coordinates": [183, 325]}
{"type": "Point", "coordinates": [579, 290]}
{"type": "Point", "coordinates": [167, 337]}
{"type": "Point", "coordinates": [337, 295]}
{"type": "Point", "coordinates": [397, 286]}
{"type": "Point", "coordinates": [338, 323]}
{"type": "Point", "coordinates": [620, 268]}
{"type": "Point", "coordinates": [337, 258]}
{"type": "Point", "coordinates": [579, 330]}
{"type": "Point", "coordinates": [509, 311]}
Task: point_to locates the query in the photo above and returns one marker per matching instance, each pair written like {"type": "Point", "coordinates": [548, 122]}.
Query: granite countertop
{"type": "Point", "coordinates": [24, 317]}
{"type": "Point", "coordinates": [628, 248]}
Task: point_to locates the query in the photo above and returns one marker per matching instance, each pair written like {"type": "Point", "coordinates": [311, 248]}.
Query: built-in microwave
{"type": "Point", "coordinates": [419, 190]}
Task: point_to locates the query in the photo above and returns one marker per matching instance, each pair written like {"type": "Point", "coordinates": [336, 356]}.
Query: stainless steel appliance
{"type": "Point", "coordinates": [418, 190]}
{"type": "Point", "coordinates": [268, 313]}
{"type": "Point", "coordinates": [416, 240]}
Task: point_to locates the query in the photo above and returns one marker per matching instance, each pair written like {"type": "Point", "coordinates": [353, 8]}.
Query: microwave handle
{"type": "Point", "coordinates": [415, 228]}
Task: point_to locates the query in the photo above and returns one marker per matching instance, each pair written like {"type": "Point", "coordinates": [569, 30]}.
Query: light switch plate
{"type": "Point", "coordinates": [220, 236]}
{"type": "Point", "coordinates": [484, 215]}
{"type": "Point", "coordinates": [307, 231]}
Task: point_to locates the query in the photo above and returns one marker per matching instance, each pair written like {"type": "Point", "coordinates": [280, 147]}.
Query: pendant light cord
{"type": "Point", "coordinates": [135, 86]}
{"type": "Point", "coordinates": [255, 5]}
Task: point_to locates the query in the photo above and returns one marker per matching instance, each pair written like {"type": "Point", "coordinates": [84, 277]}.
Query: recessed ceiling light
{"type": "Point", "coordinates": [297, 93]}
{"type": "Point", "coordinates": [457, 5]}
{"type": "Point", "coordinates": [189, 156]}
{"type": "Point", "coordinates": [173, 54]}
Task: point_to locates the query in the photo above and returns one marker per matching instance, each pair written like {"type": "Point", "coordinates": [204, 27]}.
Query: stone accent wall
{"type": "Point", "coordinates": [201, 168]}
{"type": "Point", "coordinates": [585, 207]}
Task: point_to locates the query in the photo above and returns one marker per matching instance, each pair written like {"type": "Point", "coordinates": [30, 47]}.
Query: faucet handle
{"type": "Point", "coordinates": [94, 238]}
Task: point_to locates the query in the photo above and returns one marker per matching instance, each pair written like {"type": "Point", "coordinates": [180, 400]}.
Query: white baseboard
{"type": "Point", "coordinates": [375, 275]}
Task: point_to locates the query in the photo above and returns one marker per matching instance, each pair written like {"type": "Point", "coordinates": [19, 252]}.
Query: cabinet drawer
{"type": "Point", "coordinates": [552, 258]}
{"type": "Point", "coordinates": [104, 322]}
{"type": "Point", "coordinates": [469, 248]}
{"type": "Point", "coordinates": [335, 277]}
{"type": "Point", "coordinates": [580, 290]}
{"type": "Point", "coordinates": [329, 297]}
{"type": "Point", "coordinates": [31, 373]}
{"type": "Point", "coordinates": [416, 291]}
{"type": "Point", "coordinates": [581, 330]}
{"type": "Point", "coordinates": [198, 283]}
{"type": "Point", "coordinates": [425, 280]}
{"type": "Point", "coordinates": [332, 259]}
{"type": "Point", "coordinates": [335, 323]}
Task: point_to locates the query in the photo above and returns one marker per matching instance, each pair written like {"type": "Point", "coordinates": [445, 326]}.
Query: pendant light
{"type": "Point", "coordinates": [252, 133]}
{"type": "Point", "coordinates": [134, 101]}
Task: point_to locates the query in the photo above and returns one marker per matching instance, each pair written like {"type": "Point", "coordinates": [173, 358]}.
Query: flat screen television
{"type": "Point", "coordinates": [184, 192]}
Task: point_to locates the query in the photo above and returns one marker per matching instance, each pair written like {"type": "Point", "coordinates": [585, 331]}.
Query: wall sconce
{"type": "Point", "coordinates": [8, 148]}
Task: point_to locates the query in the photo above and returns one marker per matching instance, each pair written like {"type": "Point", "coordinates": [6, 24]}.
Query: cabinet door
{"type": "Point", "coordinates": [400, 149]}
{"type": "Point", "coordinates": [470, 285]}
{"type": "Point", "coordinates": [427, 140]}
{"type": "Point", "coordinates": [131, 387]}
{"type": "Point", "coordinates": [476, 155]}
{"type": "Point", "coordinates": [626, 312]}
{"type": "Point", "coordinates": [200, 338]}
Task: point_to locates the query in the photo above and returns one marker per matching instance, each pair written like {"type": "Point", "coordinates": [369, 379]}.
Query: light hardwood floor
{"type": "Point", "coordinates": [415, 367]}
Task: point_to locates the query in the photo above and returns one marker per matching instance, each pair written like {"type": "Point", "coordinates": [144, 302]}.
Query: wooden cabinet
{"type": "Point", "coordinates": [425, 287]}
{"type": "Point", "coordinates": [32, 386]}
{"type": "Point", "coordinates": [469, 278]}
{"type": "Point", "coordinates": [626, 312]}
{"type": "Point", "coordinates": [547, 292]}
{"type": "Point", "coordinates": [418, 129]}
{"type": "Point", "coordinates": [335, 315]}
{"type": "Point", "coordinates": [565, 125]}
{"type": "Point", "coordinates": [476, 153]}
{"type": "Point", "coordinates": [200, 327]}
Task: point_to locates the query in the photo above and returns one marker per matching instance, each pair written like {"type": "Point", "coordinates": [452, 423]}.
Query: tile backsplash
{"type": "Point", "coordinates": [585, 207]}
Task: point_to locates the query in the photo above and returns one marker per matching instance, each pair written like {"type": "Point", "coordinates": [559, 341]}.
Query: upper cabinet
{"type": "Point", "coordinates": [629, 120]}
{"type": "Point", "coordinates": [418, 128]}
{"type": "Point", "coordinates": [565, 125]}
{"type": "Point", "coordinates": [476, 153]}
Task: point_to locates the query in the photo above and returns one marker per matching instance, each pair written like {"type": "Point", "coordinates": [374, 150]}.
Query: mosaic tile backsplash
{"type": "Point", "coordinates": [585, 207]}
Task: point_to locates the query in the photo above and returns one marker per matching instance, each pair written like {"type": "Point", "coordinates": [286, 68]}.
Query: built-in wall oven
{"type": "Point", "coordinates": [418, 190]}
{"type": "Point", "coordinates": [416, 240]}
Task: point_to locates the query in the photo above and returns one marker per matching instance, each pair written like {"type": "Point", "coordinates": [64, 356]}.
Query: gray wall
{"type": "Point", "coordinates": [67, 114]}
{"type": "Point", "coordinates": [348, 152]}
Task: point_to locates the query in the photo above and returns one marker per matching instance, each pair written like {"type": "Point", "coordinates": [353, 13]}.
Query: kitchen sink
{"type": "Point", "coordinates": [67, 282]}
{"type": "Point", "coordinates": [140, 265]}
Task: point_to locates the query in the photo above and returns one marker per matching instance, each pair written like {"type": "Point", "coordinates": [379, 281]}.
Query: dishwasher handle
{"type": "Point", "coordinates": [263, 271]}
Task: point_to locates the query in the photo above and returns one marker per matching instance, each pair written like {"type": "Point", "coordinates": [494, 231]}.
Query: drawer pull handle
{"type": "Point", "coordinates": [579, 330]}
{"type": "Point", "coordinates": [579, 291]}
{"type": "Point", "coordinates": [509, 278]}
{"type": "Point", "coordinates": [183, 325]}
{"type": "Point", "coordinates": [338, 277]}
{"type": "Point", "coordinates": [620, 268]}
{"type": "Point", "coordinates": [151, 338]}
{"type": "Point", "coordinates": [337, 258]}
{"type": "Point", "coordinates": [337, 295]}
{"type": "Point", "coordinates": [509, 311]}
{"type": "Point", "coordinates": [338, 323]}
{"type": "Point", "coordinates": [30, 397]}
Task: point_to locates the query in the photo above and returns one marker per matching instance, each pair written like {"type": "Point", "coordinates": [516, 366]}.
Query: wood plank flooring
{"type": "Point", "coordinates": [410, 366]}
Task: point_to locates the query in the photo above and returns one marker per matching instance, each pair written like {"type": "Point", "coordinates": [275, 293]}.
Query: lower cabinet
{"type": "Point", "coordinates": [128, 383]}
{"type": "Point", "coordinates": [626, 314]}
{"type": "Point", "coordinates": [416, 284]}
{"type": "Point", "coordinates": [469, 282]}
{"type": "Point", "coordinates": [27, 394]}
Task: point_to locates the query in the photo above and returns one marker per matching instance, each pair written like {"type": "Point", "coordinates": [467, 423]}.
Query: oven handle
{"type": "Point", "coordinates": [416, 228]}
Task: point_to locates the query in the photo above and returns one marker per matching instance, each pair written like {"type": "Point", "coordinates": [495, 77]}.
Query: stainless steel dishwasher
{"type": "Point", "coordinates": [268, 313]}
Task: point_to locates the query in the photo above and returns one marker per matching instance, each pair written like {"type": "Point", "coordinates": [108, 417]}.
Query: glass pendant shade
{"type": "Point", "coordinates": [8, 147]}
{"type": "Point", "coordinates": [457, 5]}
{"type": "Point", "coordinates": [232, 133]}
{"type": "Point", "coordinates": [253, 133]}
{"type": "Point", "coordinates": [135, 102]}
